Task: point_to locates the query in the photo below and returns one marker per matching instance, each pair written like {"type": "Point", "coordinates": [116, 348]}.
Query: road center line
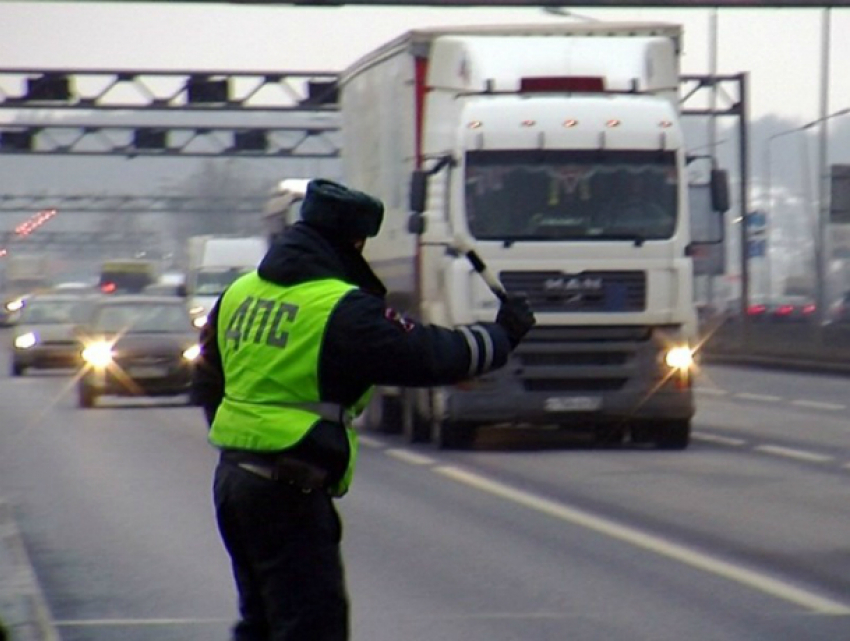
{"type": "Point", "coordinates": [656, 544]}
{"type": "Point", "coordinates": [818, 405]}
{"type": "Point", "coordinates": [370, 442]}
{"type": "Point", "coordinates": [716, 438]}
{"type": "Point", "coordinates": [757, 397]}
{"type": "Point", "coordinates": [410, 457]}
{"type": "Point", "coordinates": [711, 391]}
{"type": "Point", "coordinates": [790, 452]}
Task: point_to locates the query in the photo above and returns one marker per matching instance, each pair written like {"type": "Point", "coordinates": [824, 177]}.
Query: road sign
{"type": "Point", "coordinates": [756, 248]}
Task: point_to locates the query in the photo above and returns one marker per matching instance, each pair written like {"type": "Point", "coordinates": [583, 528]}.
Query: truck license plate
{"type": "Point", "coordinates": [572, 403]}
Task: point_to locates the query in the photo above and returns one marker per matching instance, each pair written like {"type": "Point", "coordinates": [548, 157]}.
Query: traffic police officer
{"type": "Point", "coordinates": [289, 354]}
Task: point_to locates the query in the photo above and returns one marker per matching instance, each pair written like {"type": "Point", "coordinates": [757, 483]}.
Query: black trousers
{"type": "Point", "coordinates": [284, 545]}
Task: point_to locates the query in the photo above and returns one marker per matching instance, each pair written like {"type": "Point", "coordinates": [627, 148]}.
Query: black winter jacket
{"type": "Point", "coordinates": [365, 343]}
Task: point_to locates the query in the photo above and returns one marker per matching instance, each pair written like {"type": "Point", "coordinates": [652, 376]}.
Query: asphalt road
{"type": "Point", "coordinates": [529, 536]}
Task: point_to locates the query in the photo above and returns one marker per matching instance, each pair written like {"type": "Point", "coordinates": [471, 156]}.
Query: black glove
{"type": "Point", "coordinates": [516, 317]}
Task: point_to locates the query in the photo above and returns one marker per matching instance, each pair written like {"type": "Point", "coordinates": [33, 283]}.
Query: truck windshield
{"type": "Point", "coordinates": [213, 281]}
{"type": "Point", "coordinates": [571, 195]}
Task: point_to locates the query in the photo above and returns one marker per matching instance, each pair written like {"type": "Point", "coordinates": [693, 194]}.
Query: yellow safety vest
{"type": "Point", "coordinates": [270, 339]}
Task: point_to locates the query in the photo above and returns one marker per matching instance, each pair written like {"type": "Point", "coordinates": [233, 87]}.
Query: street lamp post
{"type": "Point", "coordinates": [769, 201]}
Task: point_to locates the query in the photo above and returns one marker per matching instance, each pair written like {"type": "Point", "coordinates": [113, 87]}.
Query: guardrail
{"type": "Point", "coordinates": [801, 346]}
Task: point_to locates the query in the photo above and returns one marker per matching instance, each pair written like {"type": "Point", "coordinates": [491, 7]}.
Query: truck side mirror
{"type": "Point", "coordinates": [719, 190]}
{"type": "Point", "coordinates": [418, 189]}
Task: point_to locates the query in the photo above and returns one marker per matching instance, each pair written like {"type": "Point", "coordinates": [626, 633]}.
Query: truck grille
{"type": "Point", "coordinates": [590, 291]}
{"type": "Point", "coordinates": [581, 359]}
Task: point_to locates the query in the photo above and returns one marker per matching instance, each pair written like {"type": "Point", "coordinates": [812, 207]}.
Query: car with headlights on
{"type": "Point", "coordinates": [135, 346]}
{"type": "Point", "coordinates": [44, 336]}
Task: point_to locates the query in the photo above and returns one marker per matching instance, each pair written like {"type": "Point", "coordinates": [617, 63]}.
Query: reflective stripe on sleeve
{"type": "Point", "coordinates": [473, 349]}
{"type": "Point", "coordinates": [487, 343]}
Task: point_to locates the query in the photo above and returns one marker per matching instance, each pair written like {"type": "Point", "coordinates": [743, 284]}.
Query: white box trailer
{"type": "Point", "coordinates": [283, 206]}
{"type": "Point", "coordinates": [557, 151]}
{"type": "Point", "coordinates": [214, 262]}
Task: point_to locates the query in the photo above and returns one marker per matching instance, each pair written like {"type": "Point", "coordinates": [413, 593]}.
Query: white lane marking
{"type": "Point", "coordinates": [410, 457]}
{"type": "Point", "coordinates": [758, 397]}
{"type": "Point", "coordinates": [715, 438]}
{"type": "Point", "coordinates": [656, 544]}
{"type": "Point", "coordinates": [818, 405]}
{"type": "Point", "coordinates": [789, 452]}
{"type": "Point", "coordinates": [711, 391]}
{"type": "Point", "coordinates": [369, 442]}
{"type": "Point", "coordinates": [799, 402]}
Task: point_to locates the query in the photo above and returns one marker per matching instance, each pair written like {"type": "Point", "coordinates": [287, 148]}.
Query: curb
{"type": "Point", "coordinates": [23, 609]}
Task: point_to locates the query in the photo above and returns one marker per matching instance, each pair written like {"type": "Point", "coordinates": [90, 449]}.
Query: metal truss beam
{"type": "Point", "coordinates": [125, 204]}
{"type": "Point", "coordinates": [79, 242]}
{"type": "Point", "coordinates": [320, 141]}
{"type": "Point", "coordinates": [729, 91]}
{"type": "Point", "coordinates": [202, 91]}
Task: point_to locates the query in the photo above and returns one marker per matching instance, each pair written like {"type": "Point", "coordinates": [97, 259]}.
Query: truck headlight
{"type": "Point", "coordinates": [98, 354]}
{"type": "Point", "coordinates": [15, 305]}
{"type": "Point", "coordinates": [25, 341]}
{"type": "Point", "coordinates": [679, 358]}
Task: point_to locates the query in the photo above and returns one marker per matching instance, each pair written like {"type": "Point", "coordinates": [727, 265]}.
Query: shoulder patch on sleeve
{"type": "Point", "coordinates": [398, 319]}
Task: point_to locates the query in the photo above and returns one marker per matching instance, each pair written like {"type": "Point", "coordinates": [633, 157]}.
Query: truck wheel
{"type": "Point", "coordinates": [450, 435]}
{"type": "Point", "coordinates": [673, 434]}
{"type": "Point", "coordinates": [18, 369]}
{"type": "Point", "coordinates": [610, 435]}
{"type": "Point", "coordinates": [414, 428]}
{"type": "Point", "coordinates": [384, 414]}
{"type": "Point", "coordinates": [86, 396]}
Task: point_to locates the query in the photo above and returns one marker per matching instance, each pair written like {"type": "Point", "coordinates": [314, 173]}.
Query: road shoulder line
{"type": "Point", "coordinates": [632, 536]}
{"type": "Point", "coordinates": [23, 608]}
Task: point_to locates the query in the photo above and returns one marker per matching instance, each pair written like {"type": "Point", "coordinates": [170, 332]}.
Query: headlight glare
{"type": "Point", "coordinates": [199, 321]}
{"type": "Point", "coordinates": [25, 341]}
{"type": "Point", "coordinates": [192, 352]}
{"type": "Point", "coordinates": [680, 358]}
{"type": "Point", "coordinates": [98, 354]}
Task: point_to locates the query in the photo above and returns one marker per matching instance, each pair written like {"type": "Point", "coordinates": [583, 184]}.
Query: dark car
{"type": "Point", "coordinates": [44, 337]}
{"type": "Point", "coordinates": [165, 289]}
{"type": "Point", "coordinates": [137, 345]}
{"type": "Point", "coordinates": [10, 309]}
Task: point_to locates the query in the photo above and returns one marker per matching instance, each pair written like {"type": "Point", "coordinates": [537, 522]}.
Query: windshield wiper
{"type": "Point", "coordinates": [637, 239]}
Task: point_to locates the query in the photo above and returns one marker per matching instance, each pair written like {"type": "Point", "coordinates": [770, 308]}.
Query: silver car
{"type": "Point", "coordinates": [44, 336]}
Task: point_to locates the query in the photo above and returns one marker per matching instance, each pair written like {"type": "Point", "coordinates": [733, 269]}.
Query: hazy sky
{"type": "Point", "coordinates": [780, 48]}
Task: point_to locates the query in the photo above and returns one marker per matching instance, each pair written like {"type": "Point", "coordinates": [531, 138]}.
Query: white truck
{"type": "Point", "coordinates": [556, 152]}
{"type": "Point", "coordinates": [283, 206]}
{"type": "Point", "coordinates": [213, 262]}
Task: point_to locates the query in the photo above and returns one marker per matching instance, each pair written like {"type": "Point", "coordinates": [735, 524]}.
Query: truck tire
{"type": "Point", "coordinates": [610, 435]}
{"type": "Point", "coordinates": [673, 434]}
{"type": "Point", "coordinates": [86, 396]}
{"type": "Point", "coordinates": [453, 435]}
{"type": "Point", "coordinates": [384, 414]}
{"type": "Point", "coordinates": [413, 426]}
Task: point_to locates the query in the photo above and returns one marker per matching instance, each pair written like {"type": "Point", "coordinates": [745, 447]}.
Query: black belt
{"type": "Point", "coordinates": [277, 467]}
